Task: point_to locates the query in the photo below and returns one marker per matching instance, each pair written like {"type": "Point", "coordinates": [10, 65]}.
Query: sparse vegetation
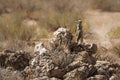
{"type": "Point", "coordinates": [115, 33]}
{"type": "Point", "coordinates": [60, 58]}
{"type": "Point", "coordinates": [107, 5]}
{"type": "Point", "coordinates": [23, 23]}
{"type": "Point", "coordinates": [11, 30]}
{"type": "Point", "coordinates": [49, 16]}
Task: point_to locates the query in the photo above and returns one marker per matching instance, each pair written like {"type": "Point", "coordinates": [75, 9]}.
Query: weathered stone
{"type": "Point", "coordinates": [54, 78]}
{"type": "Point", "coordinates": [61, 37]}
{"type": "Point", "coordinates": [75, 48]}
{"type": "Point", "coordinates": [92, 70]}
{"type": "Point", "coordinates": [91, 48]}
{"type": "Point", "coordinates": [58, 73]}
{"type": "Point", "coordinates": [45, 78]}
{"type": "Point", "coordinates": [98, 77]}
{"type": "Point", "coordinates": [63, 60]}
{"type": "Point", "coordinates": [10, 75]}
{"type": "Point", "coordinates": [40, 49]}
{"type": "Point", "coordinates": [85, 57]}
{"type": "Point", "coordinates": [41, 78]}
{"type": "Point", "coordinates": [77, 74]}
{"type": "Point", "coordinates": [41, 64]}
{"type": "Point", "coordinates": [114, 77]}
{"type": "Point", "coordinates": [102, 68]}
{"type": "Point", "coordinates": [18, 60]}
{"type": "Point", "coordinates": [84, 70]}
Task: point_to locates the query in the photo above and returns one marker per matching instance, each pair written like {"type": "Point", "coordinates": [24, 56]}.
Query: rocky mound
{"type": "Point", "coordinates": [64, 60]}
{"type": "Point", "coordinates": [17, 60]}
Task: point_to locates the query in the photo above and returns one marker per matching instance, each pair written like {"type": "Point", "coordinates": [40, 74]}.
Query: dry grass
{"type": "Point", "coordinates": [107, 5]}
{"type": "Point", "coordinates": [49, 15]}
{"type": "Point", "coordinates": [114, 33]}
{"type": "Point", "coordinates": [60, 58]}
{"type": "Point", "coordinates": [12, 29]}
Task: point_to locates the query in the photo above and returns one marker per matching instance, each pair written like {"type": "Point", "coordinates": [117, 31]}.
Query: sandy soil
{"type": "Point", "coordinates": [101, 23]}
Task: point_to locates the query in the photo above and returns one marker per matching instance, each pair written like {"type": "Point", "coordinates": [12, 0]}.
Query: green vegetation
{"type": "Point", "coordinates": [115, 33]}
{"type": "Point", "coordinates": [12, 30]}
{"type": "Point", "coordinates": [49, 15]}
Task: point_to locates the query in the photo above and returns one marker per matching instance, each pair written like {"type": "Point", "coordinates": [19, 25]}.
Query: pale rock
{"type": "Point", "coordinates": [40, 49]}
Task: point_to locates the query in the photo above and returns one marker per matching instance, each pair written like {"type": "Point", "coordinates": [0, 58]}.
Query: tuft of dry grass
{"type": "Point", "coordinates": [114, 33]}
{"type": "Point", "coordinates": [48, 16]}
{"type": "Point", "coordinates": [60, 58]}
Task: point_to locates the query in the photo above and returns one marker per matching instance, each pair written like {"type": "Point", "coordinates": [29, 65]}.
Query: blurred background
{"type": "Point", "coordinates": [30, 20]}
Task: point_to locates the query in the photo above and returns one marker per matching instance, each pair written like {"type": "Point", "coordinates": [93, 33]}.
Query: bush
{"type": "Point", "coordinates": [49, 17]}
{"type": "Point", "coordinates": [60, 58]}
{"type": "Point", "coordinates": [114, 33]}
{"type": "Point", "coordinates": [13, 30]}
{"type": "Point", "coordinates": [107, 5]}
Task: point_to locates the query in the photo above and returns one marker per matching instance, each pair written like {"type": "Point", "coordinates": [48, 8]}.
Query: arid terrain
{"type": "Point", "coordinates": [38, 40]}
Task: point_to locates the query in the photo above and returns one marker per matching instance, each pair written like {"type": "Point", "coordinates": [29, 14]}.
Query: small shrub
{"type": "Point", "coordinates": [114, 33]}
{"type": "Point", "coordinates": [60, 58]}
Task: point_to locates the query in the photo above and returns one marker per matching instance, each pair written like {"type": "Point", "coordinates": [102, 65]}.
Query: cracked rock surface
{"type": "Point", "coordinates": [64, 60]}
